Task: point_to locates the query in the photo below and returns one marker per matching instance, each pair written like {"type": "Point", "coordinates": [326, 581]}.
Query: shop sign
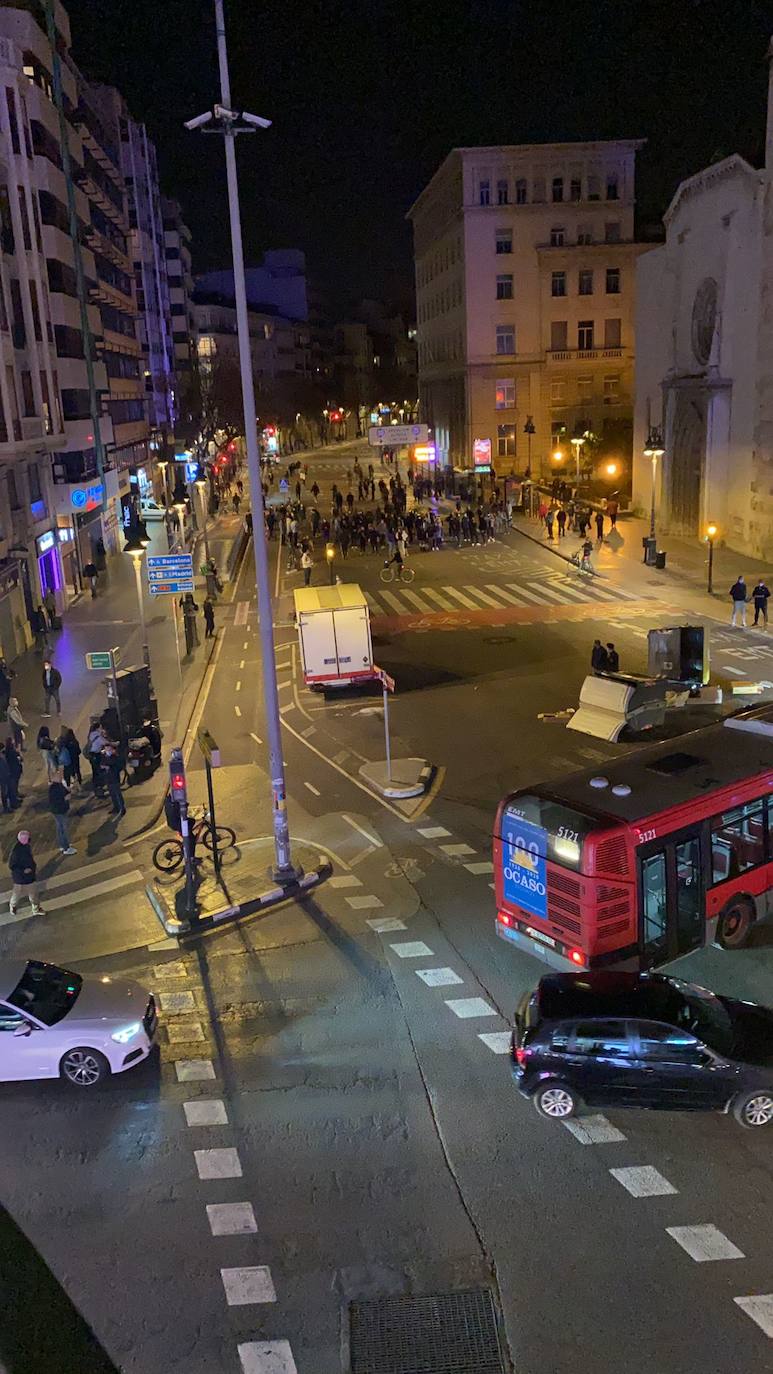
{"type": "Point", "coordinates": [481, 455]}
{"type": "Point", "coordinates": [45, 541]}
{"type": "Point", "coordinates": [65, 534]}
{"type": "Point", "coordinates": [87, 498]}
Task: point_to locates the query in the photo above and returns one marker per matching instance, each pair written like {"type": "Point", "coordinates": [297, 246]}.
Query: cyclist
{"type": "Point", "coordinates": [397, 557]}
{"type": "Point", "coordinates": [585, 553]}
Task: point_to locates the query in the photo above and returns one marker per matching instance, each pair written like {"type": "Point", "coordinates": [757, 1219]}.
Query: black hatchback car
{"type": "Point", "coordinates": [642, 1040]}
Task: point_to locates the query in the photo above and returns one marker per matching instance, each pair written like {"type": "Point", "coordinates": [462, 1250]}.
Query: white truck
{"type": "Point", "coordinates": [334, 635]}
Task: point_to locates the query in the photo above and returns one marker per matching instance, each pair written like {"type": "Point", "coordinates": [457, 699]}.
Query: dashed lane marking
{"type": "Point", "coordinates": [593, 1130]}
{"type": "Point", "coordinates": [256, 738]}
{"type": "Point", "coordinates": [193, 1070]}
{"type": "Point", "coordinates": [249, 1285]}
{"type": "Point", "coordinates": [286, 682]}
{"type": "Point", "coordinates": [467, 1007]}
{"type": "Point", "coordinates": [185, 1032]}
{"type": "Point", "coordinates": [206, 1111]}
{"type": "Point", "coordinates": [498, 1041]}
{"type": "Point", "coordinates": [760, 1309]}
{"type": "Point", "coordinates": [231, 1218]}
{"type": "Point", "coordinates": [483, 866]}
{"type": "Point", "coordinates": [344, 880]}
{"type": "Point", "coordinates": [383, 924]}
{"type": "Point", "coordinates": [267, 1357]}
{"type": "Point", "coordinates": [237, 711]}
{"type": "Point", "coordinates": [241, 663]}
{"type": "Point", "coordinates": [704, 1243]}
{"type": "Point", "coordinates": [174, 969]}
{"type": "Point", "coordinates": [222, 1163]}
{"type": "Point", "coordinates": [310, 730]}
{"type": "Point", "coordinates": [239, 685]}
{"type": "Point", "coordinates": [412, 949]}
{"type": "Point", "coordinates": [312, 788]}
{"type": "Point", "coordinates": [433, 832]}
{"type": "Point", "coordinates": [438, 977]}
{"type": "Point", "coordinates": [372, 839]}
{"type": "Point", "coordinates": [456, 851]}
{"type": "Point", "coordinates": [643, 1181]}
{"type": "Point", "coordinates": [172, 1002]}
{"type": "Point", "coordinates": [364, 903]}
{"type": "Point", "coordinates": [242, 611]}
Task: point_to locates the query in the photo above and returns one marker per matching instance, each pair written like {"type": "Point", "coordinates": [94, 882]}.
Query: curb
{"type": "Point", "coordinates": [400, 791]}
{"type": "Point", "coordinates": [172, 925]}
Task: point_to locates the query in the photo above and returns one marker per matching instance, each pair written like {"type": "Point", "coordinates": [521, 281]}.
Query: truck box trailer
{"type": "Point", "coordinates": [334, 635]}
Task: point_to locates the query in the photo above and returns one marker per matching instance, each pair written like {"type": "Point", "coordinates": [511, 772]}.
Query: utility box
{"type": "Point", "coordinates": [608, 702]}
{"type": "Point", "coordinates": [650, 546]}
{"type": "Point", "coordinates": [334, 635]}
{"type": "Point", "coordinates": [680, 653]}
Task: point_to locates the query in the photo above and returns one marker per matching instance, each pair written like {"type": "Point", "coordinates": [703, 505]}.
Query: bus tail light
{"type": "Point", "coordinates": [504, 919]}
{"type": "Point", "coordinates": [577, 957]}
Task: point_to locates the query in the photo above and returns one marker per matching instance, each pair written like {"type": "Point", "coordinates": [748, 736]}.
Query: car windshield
{"type": "Point", "coordinates": [702, 1013]}
{"type": "Point", "coordinates": [45, 991]}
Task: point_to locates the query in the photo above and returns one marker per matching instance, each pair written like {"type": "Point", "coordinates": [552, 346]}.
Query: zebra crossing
{"type": "Point", "coordinates": [73, 886]}
{"type": "Point", "coordinates": [525, 595]}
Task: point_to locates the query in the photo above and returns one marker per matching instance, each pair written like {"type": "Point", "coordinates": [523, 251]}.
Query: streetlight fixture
{"type": "Point", "coordinates": [558, 456]}
{"type": "Point", "coordinates": [202, 481]}
{"type": "Point", "coordinates": [611, 469]}
{"type": "Point", "coordinates": [711, 534]}
{"type": "Point", "coordinates": [179, 502]}
{"type": "Point", "coordinates": [653, 449]}
{"type": "Point", "coordinates": [228, 122]}
{"type": "Point", "coordinates": [135, 546]}
{"type": "Point", "coordinates": [163, 464]}
{"type": "Point", "coordinates": [577, 440]}
{"type": "Point", "coordinates": [330, 553]}
{"type": "Point", "coordinates": [528, 430]}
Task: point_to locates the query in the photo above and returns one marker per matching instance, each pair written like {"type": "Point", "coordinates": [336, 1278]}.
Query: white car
{"type": "Point", "coordinates": [55, 1024]}
{"type": "Point", "coordinates": [151, 510]}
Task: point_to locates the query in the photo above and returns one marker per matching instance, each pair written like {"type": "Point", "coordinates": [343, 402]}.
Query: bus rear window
{"type": "Point", "coordinates": [550, 829]}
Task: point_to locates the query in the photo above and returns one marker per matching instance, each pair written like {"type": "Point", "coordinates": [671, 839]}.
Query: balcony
{"type": "Point", "coordinates": [567, 355]}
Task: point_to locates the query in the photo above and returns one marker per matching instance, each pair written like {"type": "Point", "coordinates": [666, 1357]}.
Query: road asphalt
{"type": "Point", "coordinates": [329, 1117]}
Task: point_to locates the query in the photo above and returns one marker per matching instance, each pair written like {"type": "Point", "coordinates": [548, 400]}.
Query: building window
{"type": "Point", "coordinates": [584, 236]}
{"type": "Point", "coordinates": [505, 338]}
{"type": "Point", "coordinates": [538, 190]}
{"type": "Point", "coordinates": [575, 189]}
{"type": "Point", "coordinates": [612, 333]}
{"type": "Point", "coordinates": [505, 441]}
{"type": "Point", "coordinates": [585, 334]}
{"type": "Point", "coordinates": [584, 388]}
{"type": "Point", "coordinates": [558, 392]}
{"type": "Point", "coordinates": [594, 188]}
{"type": "Point", "coordinates": [613, 281]}
{"type": "Point", "coordinates": [501, 193]}
{"type": "Point", "coordinates": [28, 399]}
{"type": "Point", "coordinates": [504, 396]}
{"type": "Point", "coordinates": [504, 241]}
{"type": "Point", "coordinates": [612, 186]}
{"type": "Point", "coordinates": [520, 191]}
{"type": "Point", "coordinates": [75, 404]}
{"type": "Point", "coordinates": [559, 335]}
{"type": "Point", "coordinates": [13, 491]}
{"type": "Point", "coordinates": [585, 282]}
{"type": "Point", "coordinates": [557, 237]}
{"type": "Point", "coordinates": [557, 189]}
{"type": "Point", "coordinates": [504, 287]}
{"type": "Point", "coordinates": [611, 391]}
{"type": "Point", "coordinates": [558, 284]}
{"type": "Point", "coordinates": [484, 193]}
{"type": "Point", "coordinates": [33, 480]}
{"type": "Point", "coordinates": [612, 232]}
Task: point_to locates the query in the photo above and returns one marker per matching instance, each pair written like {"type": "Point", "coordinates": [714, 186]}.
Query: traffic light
{"type": "Point", "coordinates": [177, 784]}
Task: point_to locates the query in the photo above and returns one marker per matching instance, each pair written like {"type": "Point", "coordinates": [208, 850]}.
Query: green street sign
{"type": "Point", "coordinates": [99, 662]}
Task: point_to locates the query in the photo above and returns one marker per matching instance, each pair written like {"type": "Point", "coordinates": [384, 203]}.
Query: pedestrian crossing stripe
{"type": "Point", "coordinates": [81, 880]}
{"type": "Point", "coordinates": [404, 601]}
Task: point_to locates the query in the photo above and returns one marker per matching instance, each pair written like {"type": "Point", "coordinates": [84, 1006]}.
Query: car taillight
{"type": "Point", "coordinates": [577, 957]}
{"type": "Point", "coordinates": [504, 919]}
{"type": "Point", "coordinates": [521, 1054]}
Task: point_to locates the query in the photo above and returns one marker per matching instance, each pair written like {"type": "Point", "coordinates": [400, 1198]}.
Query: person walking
{"type": "Point", "coordinates": [90, 573]}
{"type": "Point", "coordinates": [599, 661]}
{"type": "Point", "coordinates": [613, 506]}
{"type": "Point", "coordinates": [95, 743]}
{"type": "Point", "coordinates": [17, 722]}
{"type": "Point", "coordinates": [613, 659]}
{"type": "Point", "coordinates": [49, 602]}
{"type": "Point", "coordinates": [739, 598]}
{"type": "Point", "coordinates": [24, 872]}
{"type": "Point", "coordinates": [59, 805]}
{"type": "Point", "coordinates": [600, 526]}
{"type": "Point", "coordinates": [760, 594]}
{"type": "Point", "coordinates": [39, 627]}
{"type": "Point", "coordinates": [47, 751]}
{"type": "Point", "coordinates": [111, 765]}
{"type": "Point", "coordinates": [15, 767]}
{"type": "Point", "coordinates": [307, 563]}
{"type": "Point", "coordinates": [68, 751]}
{"type": "Point", "coordinates": [209, 617]}
{"type": "Point", "coordinates": [52, 681]}
{"type": "Point", "coordinates": [6, 786]}
{"type": "Point", "coordinates": [561, 522]}
{"type": "Point", "coordinates": [6, 674]}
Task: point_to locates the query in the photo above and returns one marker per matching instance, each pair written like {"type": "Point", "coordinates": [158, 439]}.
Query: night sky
{"type": "Point", "coordinates": [367, 98]}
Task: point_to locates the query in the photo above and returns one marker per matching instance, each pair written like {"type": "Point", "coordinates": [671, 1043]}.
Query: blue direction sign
{"type": "Point", "coordinates": [170, 574]}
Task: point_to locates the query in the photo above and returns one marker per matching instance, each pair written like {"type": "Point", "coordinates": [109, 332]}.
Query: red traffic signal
{"type": "Point", "coordinates": [177, 784]}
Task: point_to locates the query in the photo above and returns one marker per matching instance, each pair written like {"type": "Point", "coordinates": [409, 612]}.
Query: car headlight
{"type": "Point", "coordinates": [126, 1033]}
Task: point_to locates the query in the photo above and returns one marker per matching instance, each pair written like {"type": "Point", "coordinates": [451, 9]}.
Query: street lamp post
{"type": "Point", "coordinates": [179, 501]}
{"type": "Point", "coordinates": [330, 553]}
{"type": "Point", "coordinates": [577, 441]}
{"type": "Point", "coordinates": [653, 450]}
{"type": "Point", "coordinates": [228, 123]}
{"type": "Point", "coordinates": [202, 483]}
{"type": "Point", "coordinates": [528, 430]}
{"type": "Point", "coordinates": [711, 534]}
{"type": "Point", "coordinates": [135, 546]}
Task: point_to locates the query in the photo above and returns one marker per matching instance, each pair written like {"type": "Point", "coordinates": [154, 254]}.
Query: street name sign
{"type": "Point", "coordinates": [381, 436]}
{"type": "Point", "coordinates": [384, 678]}
{"type": "Point", "coordinates": [100, 661]}
{"type": "Point", "coordinates": [170, 574]}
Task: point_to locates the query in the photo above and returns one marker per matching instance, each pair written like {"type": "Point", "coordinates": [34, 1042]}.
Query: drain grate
{"type": "Point", "coordinates": [442, 1333]}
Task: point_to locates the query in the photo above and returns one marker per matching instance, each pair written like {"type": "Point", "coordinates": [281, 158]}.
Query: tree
{"type": "Point", "coordinates": [211, 409]}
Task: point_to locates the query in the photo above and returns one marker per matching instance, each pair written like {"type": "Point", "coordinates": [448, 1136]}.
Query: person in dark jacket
{"type": "Point", "coordinates": [59, 805]}
{"type": "Point", "coordinates": [68, 751]}
{"type": "Point", "coordinates": [5, 783]}
{"type": "Point", "coordinates": [613, 659]}
{"type": "Point", "coordinates": [6, 674]}
{"type": "Point", "coordinates": [739, 598]}
{"type": "Point", "coordinates": [15, 767]}
{"type": "Point", "coordinates": [598, 658]}
{"type": "Point", "coordinates": [209, 617]}
{"type": "Point", "coordinates": [39, 626]}
{"type": "Point", "coordinates": [24, 874]}
{"type": "Point", "coordinates": [111, 772]}
{"type": "Point", "coordinates": [760, 594]}
{"type": "Point", "coordinates": [52, 681]}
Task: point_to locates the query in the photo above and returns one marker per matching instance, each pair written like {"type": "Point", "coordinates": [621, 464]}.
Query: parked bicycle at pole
{"type": "Point", "coordinates": [169, 854]}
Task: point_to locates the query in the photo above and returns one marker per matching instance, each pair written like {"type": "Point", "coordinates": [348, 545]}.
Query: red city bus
{"type": "Point", "coordinates": [664, 851]}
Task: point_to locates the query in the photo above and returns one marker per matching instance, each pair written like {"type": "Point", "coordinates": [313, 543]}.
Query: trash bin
{"type": "Point", "coordinates": [660, 558]}
{"type": "Point", "coordinates": [650, 546]}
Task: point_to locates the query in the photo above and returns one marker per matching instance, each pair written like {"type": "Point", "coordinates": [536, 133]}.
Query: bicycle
{"type": "Point", "coordinates": [399, 572]}
{"type": "Point", "coordinates": [582, 564]}
{"type": "Point", "coordinates": [169, 854]}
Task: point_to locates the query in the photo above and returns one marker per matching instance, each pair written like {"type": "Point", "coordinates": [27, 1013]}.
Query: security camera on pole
{"type": "Point", "coordinates": [229, 122]}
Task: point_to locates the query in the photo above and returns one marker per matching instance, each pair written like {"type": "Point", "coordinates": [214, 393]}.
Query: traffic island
{"type": "Point", "coordinates": [243, 888]}
{"type": "Point", "coordinates": [403, 779]}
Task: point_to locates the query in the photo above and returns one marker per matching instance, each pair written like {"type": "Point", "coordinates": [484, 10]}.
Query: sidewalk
{"type": "Point", "coordinates": [111, 619]}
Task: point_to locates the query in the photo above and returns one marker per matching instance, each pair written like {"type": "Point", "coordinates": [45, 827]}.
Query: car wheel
{"type": "Point", "coordinates": [734, 925]}
{"type": "Point", "coordinates": [84, 1068]}
{"type": "Point", "coordinates": [556, 1101]}
{"type": "Point", "coordinates": [754, 1108]}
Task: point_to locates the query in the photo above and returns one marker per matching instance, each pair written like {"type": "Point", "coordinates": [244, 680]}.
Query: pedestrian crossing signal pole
{"type": "Point", "coordinates": [387, 686]}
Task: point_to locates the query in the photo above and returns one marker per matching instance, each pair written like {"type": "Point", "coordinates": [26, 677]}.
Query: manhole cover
{"type": "Point", "coordinates": [443, 1333]}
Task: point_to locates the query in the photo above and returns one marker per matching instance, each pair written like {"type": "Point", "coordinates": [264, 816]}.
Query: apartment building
{"type": "Point", "coordinates": [525, 268]}
{"type": "Point", "coordinates": [177, 254]}
{"type": "Point", "coordinates": [273, 340]}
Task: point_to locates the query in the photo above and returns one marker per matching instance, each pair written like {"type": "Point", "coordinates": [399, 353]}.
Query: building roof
{"type": "Point", "coordinates": [674, 772]}
{"type": "Point", "coordinates": [735, 165]}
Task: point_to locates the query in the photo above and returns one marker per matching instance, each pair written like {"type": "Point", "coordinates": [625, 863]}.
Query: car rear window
{"type": "Point", "coordinates": [46, 991]}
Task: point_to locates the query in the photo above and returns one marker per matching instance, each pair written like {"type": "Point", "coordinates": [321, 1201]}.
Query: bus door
{"type": "Point", "coordinates": [671, 896]}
